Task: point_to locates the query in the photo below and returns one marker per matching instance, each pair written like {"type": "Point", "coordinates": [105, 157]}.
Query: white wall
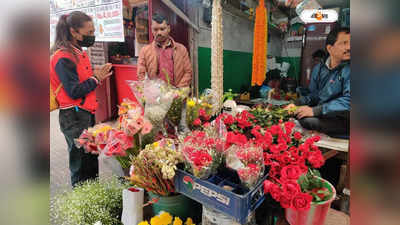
{"type": "Point", "coordinates": [238, 34]}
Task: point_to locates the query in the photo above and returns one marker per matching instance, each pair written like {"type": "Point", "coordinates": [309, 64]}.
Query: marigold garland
{"type": "Point", "coordinates": [260, 45]}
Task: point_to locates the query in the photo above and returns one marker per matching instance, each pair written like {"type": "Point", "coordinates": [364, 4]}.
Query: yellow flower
{"type": "Point", "coordinates": [144, 223]}
{"type": "Point", "coordinates": [177, 221]}
{"type": "Point", "coordinates": [166, 218]}
{"type": "Point", "coordinates": [101, 130]}
{"type": "Point", "coordinates": [189, 221]}
{"type": "Point", "coordinates": [155, 144]}
{"type": "Point", "coordinates": [191, 103]}
{"type": "Point", "coordinates": [156, 221]}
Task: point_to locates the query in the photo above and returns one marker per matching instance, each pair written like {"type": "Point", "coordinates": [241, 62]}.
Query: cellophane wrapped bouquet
{"type": "Point", "coordinates": [94, 139]}
{"type": "Point", "coordinates": [248, 161]}
{"type": "Point", "coordinates": [174, 114]}
{"type": "Point", "coordinates": [203, 152]}
{"type": "Point", "coordinates": [122, 140]}
{"type": "Point", "coordinates": [160, 101]}
{"type": "Point", "coordinates": [198, 111]}
{"type": "Point", "coordinates": [154, 168]}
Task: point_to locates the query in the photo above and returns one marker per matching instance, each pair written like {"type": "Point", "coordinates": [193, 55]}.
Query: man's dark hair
{"type": "Point", "coordinates": [274, 74]}
{"type": "Point", "coordinates": [160, 18]}
{"type": "Point", "coordinates": [333, 35]}
{"type": "Point", "coordinates": [319, 54]}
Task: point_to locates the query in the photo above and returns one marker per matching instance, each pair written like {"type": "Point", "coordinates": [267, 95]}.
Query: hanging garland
{"type": "Point", "coordinates": [217, 45]}
{"type": "Point", "coordinates": [260, 45]}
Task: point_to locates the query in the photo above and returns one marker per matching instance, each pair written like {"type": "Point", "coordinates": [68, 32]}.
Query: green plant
{"type": "Point", "coordinates": [267, 117]}
{"type": "Point", "coordinates": [229, 95]}
{"type": "Point", "coordinates": [89, 203]}
{"type": "Point", "coordinates": [317, 188]}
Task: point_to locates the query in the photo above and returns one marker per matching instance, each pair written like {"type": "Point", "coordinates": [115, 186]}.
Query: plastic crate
{"type": "Point", "coordinates": [238, 203]}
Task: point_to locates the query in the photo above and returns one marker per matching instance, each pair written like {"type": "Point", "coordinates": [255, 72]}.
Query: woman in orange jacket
{"type": "Point", "coordinates": [70, 67]}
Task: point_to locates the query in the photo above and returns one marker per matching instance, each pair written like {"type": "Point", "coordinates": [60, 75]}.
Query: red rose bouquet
{"type": "Point", "coordinates": [203, 152]}
{"type": "Point", "coordinates": [290, 159]}
{"type": "Point", "coordinates": [247, 160]}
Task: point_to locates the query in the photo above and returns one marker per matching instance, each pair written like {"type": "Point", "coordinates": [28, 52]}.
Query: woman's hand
{"type": "Point", "coordinates": [103, 72]}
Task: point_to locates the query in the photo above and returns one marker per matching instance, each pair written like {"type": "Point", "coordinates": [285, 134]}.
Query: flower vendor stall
{"type": "Point", "coordinates": [201, 159]}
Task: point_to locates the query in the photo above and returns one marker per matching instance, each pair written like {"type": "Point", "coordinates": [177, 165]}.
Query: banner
{"type": "Point", "coordinates": [106, 14]}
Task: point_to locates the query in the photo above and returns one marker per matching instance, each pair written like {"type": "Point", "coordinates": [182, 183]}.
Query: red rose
{"type": "Point", "coordinates": [268, 138]}
{"type": "Point", "coordinates": [286, 201]}
{"type": "Point", "coordinates": [314, 148]}
{"type": "Point", "coordinates": [202, 113]}
{"type": "Point", "coordinates": [275, 129]}
{"type": "Point", "coordinates": [304, 148]}
{"type": "Point", "coordinates": [309, 141]}
{"type": "Point", "coordinates": [290, 172]}
{"type": "Point", "coordinates": [267, 158]}
{"type": "Point", "coordinates": [285, 159]}
{"type": "Point", "coordinates": [291, 188]}
{"type": "Point", "coordinates": [302, 201]}
{"type": "Point", "coordinates": [274, 171]}
{"type": "Point", "coordinates": [274, 148]}
{"type": "Point", "coordinates": [267, 185]}
{"type": "Point", "coordinates": [229, 120]}
{"type": "Point", "coordinates": [243, 123]}
{"type": "Point", "coordinates": [293, 150]}
{"type": "Point", "coordinates": [282, 146]}
{"type": "Point", "coordinates": [297, 136]}
{"type": "Point", "coordinates": [316, 138]}
{"type": "Point", "coordinates": [197, 122]}
{"type": "Point", "coordinates": [290, 125]}
{"type": "Point", "coordinates": [316, 159]}
{"type": "Point", "coordinates": [275, 191]}
{"type": "Point", "coordinates": [255, 133]}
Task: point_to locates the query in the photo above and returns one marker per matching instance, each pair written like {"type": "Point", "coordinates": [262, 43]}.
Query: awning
{"type": "Point", "coordinates": [182, 15]}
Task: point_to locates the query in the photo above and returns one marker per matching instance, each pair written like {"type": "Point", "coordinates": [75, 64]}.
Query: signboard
{"type": "Point", "coordinates": [97, 54]}
{"type": "Point", "coordinates": [106, 14]}
{"type": "Point", "coordinates": [319, 16]}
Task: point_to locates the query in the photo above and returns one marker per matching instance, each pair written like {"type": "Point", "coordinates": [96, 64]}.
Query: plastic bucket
{"type": "Point", "coordinates": [122, 74]}
{"type": "Point", "coordinates": [177, 205]}
{"type": "Point", "coordinates": [316, 215]}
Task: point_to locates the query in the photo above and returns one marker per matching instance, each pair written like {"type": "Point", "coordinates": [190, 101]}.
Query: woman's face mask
{"type": "Point", "coordinates": [86, 36]}
{"type": "Point", "coordinates": [87, 40]}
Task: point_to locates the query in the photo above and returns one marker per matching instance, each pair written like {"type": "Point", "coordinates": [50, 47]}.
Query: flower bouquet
{"type": "Point", "coordinates": [156, 97]}
{"type": "Point", "coordinates": [291, 180]}
{"type": "Point", "coordinates": [174, 113]}
{"type": "Point", "coordinates": [121, 141]}
{"type": "Point", "coordinates": [198, 111]}
{"type": "Point", "coordinates": [247, 161]}
{"type": "Point", "coordinates": [154, 168]}
{"type": "Point", "coordinates": [203, 152]}
{"type": "Point", "coordinates": [94, 139]}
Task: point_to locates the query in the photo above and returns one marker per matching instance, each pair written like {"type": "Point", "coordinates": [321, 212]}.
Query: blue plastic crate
{"type": "Point", "coordinates": [238, 203]}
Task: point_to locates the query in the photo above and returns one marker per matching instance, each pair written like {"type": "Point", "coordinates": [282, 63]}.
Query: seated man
{"type": "Point", "coordinates": [327, 106]}
{"type": "Point", "coordinates": [273, 80]}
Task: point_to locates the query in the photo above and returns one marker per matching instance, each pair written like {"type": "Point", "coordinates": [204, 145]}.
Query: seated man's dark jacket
{"type": "Point", "coordinates": [329, 90]}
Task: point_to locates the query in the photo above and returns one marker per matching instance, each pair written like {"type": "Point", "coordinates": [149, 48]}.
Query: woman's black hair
{"type": "Point", "coordinates": [64, 37]}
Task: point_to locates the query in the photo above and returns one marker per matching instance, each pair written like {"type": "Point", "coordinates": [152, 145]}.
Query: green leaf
{"type": "Point", "coordinates": [304, 183]}
{"type": "Point", "coordinates": [316, 173]}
